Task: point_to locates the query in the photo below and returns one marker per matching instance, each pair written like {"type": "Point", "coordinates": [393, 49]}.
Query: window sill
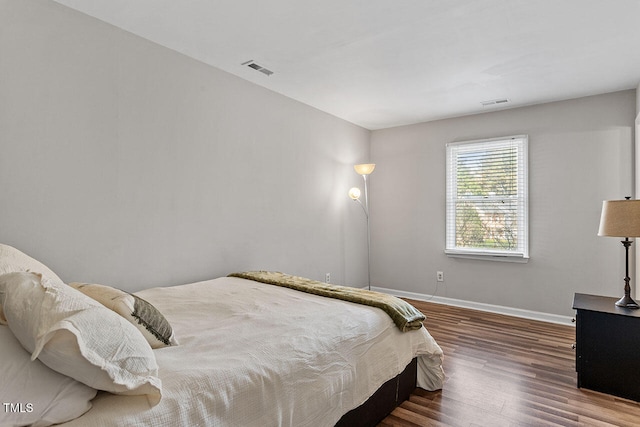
{"type": "Point", "coordinates": [488, 256]}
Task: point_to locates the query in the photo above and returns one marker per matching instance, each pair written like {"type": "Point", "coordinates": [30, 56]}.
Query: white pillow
{"type": "Point", "coordinates": [12, 260]}
{"type": "Point", "coordinates": [140, 313]}
{"type": "Point", "coordinates": [33, 394]}
{"type": "Point", "coordinates": [78, 337]}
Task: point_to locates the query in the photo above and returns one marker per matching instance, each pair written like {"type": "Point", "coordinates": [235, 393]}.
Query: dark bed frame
{"type": "Point", "coordinates": [384, 400]}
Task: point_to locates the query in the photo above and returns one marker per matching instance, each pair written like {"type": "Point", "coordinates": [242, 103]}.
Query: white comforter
{"type": "Point", "coordinates": [253, 354]}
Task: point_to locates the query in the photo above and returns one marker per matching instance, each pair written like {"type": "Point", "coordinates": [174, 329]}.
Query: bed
{"type": "Point", "coordinates": [249, 353]}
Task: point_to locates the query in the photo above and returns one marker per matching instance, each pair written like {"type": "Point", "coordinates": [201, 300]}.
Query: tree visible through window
{"type": "Point", "coordinates": [487, 197]}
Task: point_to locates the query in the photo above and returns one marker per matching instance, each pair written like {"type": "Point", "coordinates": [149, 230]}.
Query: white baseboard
{"type": "Point", "coordinates": [509, 311]}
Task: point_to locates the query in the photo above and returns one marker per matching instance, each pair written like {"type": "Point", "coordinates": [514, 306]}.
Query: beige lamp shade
{"type": "Point", "coordinates": [620, 218]}
{"type": "Point", "coordinates": [364, 168]}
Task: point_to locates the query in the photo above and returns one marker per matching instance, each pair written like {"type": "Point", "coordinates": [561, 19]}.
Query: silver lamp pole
{"type": "Point", "coordinates": [354, 193]}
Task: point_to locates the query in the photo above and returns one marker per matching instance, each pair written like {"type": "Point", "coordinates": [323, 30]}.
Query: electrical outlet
{"type": "Point", "coordinates": [440, 276]}
{"type": "Point", "coordinates": [327, 278]}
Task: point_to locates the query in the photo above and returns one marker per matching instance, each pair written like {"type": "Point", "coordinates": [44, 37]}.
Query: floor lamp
{"type": "Point", "coordinates": [365, 170]}
{"type": "Point", "coordinates": [621, 218]}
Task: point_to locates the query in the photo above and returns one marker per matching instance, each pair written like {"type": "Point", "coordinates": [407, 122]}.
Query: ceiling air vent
{"type": "Point", "coordinates": [494, 102]}
{"type": "Point", "coordinates": [257, 67]}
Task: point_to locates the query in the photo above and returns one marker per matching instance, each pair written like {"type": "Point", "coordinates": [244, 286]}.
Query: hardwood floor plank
{"type": "Point", "coordinates": [506, 371]}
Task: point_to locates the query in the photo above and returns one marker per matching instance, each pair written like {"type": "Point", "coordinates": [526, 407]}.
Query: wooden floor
{"type": "Point", "coordinates": [506, 371]}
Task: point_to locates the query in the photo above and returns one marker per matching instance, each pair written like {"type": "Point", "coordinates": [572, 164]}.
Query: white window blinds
{"type": "Point", "coordinates": [487, 198]}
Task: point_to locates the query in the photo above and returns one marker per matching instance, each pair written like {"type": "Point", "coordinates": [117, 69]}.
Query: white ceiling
{"type": "Point", "coordinates": [384, 63]}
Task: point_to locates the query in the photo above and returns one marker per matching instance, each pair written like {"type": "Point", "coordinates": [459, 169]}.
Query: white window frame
{"type": "Point", "coordinates": [521, 252]}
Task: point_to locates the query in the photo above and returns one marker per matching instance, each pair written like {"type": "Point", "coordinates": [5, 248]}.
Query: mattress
{"type": "Point", "coordinates": [253, 354]}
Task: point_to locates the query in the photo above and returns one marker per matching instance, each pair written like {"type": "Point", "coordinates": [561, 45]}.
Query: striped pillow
{"type": "Point", "coordinates": [142, 314]}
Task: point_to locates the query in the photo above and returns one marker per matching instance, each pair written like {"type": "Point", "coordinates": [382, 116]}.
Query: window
{"type": "Point", "coordinates": [487, 199]}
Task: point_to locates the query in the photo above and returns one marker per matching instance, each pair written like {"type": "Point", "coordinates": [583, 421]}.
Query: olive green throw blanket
{"type": "Point", "coordinates": [405, 316]}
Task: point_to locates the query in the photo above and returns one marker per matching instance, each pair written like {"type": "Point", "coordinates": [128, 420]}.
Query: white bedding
{"type": "Point", "coordinates": [253, 354]}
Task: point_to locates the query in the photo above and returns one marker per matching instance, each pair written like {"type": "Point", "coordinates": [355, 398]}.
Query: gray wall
{"type": "Point", "coordinates": [580, 153]}
{"type": "Point", "coordinates": [125, 163]}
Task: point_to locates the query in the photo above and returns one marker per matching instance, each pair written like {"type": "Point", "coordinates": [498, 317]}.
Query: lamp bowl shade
{"type": "Point", "coordinates": [620, 218]}
{"type": "Point", "coordinates": [365, 168]}
{"type": "Point", "coordinates": [354, 193]}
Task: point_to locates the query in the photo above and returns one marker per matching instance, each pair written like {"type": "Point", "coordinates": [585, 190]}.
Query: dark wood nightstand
{"type": "Point", "coordinates": [607, 346]}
